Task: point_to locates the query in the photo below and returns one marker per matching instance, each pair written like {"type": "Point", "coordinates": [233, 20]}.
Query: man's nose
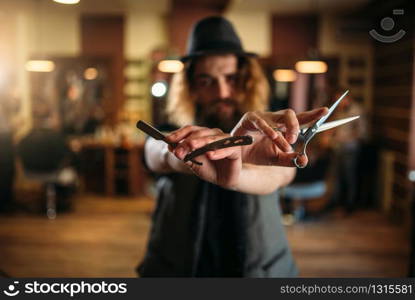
{"type": "Point", "coordinates": [224, 89]}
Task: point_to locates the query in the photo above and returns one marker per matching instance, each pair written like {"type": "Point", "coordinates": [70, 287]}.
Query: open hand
{"type": "Point", "coordinates": [273, 134]}
{"type": "Point", "coordinates": [221, 166]}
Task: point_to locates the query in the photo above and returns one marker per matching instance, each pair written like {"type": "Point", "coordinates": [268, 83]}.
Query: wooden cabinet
{"type": "Point", "coordinates": [112, 169]}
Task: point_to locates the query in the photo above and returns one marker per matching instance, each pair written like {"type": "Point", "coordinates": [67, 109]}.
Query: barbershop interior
{"type": "Point", "coordinates": [77, 196]}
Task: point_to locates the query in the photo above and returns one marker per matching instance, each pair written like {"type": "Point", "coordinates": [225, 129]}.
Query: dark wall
{"type": "Point", "coordinates": [293, 37]}
{"type": "Point", "coordinates": [103, 36]}
{"type": "Point", "coordinates": [393, 93]}
{"type": "Point", "coordinates": [184, 13]}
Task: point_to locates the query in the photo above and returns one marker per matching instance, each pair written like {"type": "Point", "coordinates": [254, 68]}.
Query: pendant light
{"type": "Point", "coordinates": [39, 64]}
{"type": "Point", "coordinates": [67, 1]}
{"type": "Point", "coordinates": [313, 65]}
{"type": "Point", "coordinates": [284, 75]}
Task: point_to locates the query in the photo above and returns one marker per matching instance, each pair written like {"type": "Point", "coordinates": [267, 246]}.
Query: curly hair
{"type": "Point", "coordinates": [252, 89]}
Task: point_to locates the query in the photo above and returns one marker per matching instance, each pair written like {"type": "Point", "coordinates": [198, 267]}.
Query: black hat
{"type": "Point", "coordinates": [213, 35]}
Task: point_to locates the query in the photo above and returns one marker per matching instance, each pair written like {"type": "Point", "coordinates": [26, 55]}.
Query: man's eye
{"type": "Point", "coordinates": [205, 82]}
{"type": "Point", "coordinates": [232, 79]}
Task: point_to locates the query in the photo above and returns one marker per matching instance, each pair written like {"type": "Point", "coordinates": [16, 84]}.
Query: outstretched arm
{"type": "Point", "coordinates": [262, 180]}
{"type": "Point", "coordinates": [224, 166]}
{"type": "Point", "coordinates": [260, 168]}
{"type": "Point", "coordinates": [160, 160]}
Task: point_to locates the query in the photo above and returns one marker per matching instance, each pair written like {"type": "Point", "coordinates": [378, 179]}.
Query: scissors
{"type": "Point", "coordinates": [306, 134]}
{"type": "Point", "coordinates": [220, 144]}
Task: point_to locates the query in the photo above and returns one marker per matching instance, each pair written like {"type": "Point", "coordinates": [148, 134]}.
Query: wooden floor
{"type": "Point", "coordinates": [106, 237]}
{"type": "Point", "coordinates": [364, 244]}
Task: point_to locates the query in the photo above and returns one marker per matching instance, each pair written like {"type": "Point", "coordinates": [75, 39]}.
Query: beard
{"type": "Point", "coordinates": [221, 113]}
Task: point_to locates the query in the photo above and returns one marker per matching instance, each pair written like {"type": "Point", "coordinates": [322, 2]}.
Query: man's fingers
{"type": "Point", "coordinates": [191, 132]}
{"type": "Point", "coordinates": [246, 123]}
{"type": "Point", "coordinates": [187, 134]}
{"type": "Point", "coordinates": [302, 161]}
{"type": "Point", "coordinates": [292, 126]}
{"type": "Point", "coordinates": [265, 128]}
{"type": "Point", "coordinates": [230, 153]}
{"type": "Point", "coordinates": [204, 132]}
{"type": "Point", "coordinates": [281, 142]}
{"type": "Point", "coordinates": [191, 144]}
{"type": "Point", "coordinates": [181, 150]}
{"type": "Point", "coordinates": [287, 159]}
{"type": "Point", "coordinates": [203, 141]}
{"type": "Point", "coordinates": [179, 134]}
{"type": "Point", "coordinates": [254, 121]}
{"type": "Point", "coordinates": [312, 115]}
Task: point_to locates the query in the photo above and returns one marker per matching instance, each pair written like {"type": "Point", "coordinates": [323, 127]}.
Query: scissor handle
{"type": "Point", "coordinates": [300, 147]}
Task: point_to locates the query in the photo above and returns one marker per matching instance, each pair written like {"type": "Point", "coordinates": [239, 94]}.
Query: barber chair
{"type": "Point", "coordinates": [42, 153]}
{"type": "Point", "coordinates": [301, 192]}
{"type": "Point", "coordinates": [310, 184]}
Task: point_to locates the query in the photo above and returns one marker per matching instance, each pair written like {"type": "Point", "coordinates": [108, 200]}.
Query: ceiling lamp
{"type": "Point", "coordinates": [40, 66]}
{"type": "Point", "coordinates": [159, 89]}
{"type": "Point", "coordinates": [284, 75]}
{"type": "Point", "coordinates": [90, 73]}
{"type": "Point", "coordinates": [67, 1]}
{"type": "Point", "coordinates": [311, 66]}
{"type": "Point", "coordinates": [170, 66]}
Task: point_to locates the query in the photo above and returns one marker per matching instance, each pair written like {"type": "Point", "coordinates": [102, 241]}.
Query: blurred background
{"type": "Point", "coordinates": [75, 200]}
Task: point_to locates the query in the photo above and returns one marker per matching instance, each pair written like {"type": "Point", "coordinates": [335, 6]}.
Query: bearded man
{"type": "Point", "coordinates": [221, 219]}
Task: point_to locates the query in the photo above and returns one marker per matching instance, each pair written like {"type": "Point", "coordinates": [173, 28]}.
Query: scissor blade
{"type": "Point", "coordinates": [330, 125]}
{"type": "Point", "coordinates": [331, 109]}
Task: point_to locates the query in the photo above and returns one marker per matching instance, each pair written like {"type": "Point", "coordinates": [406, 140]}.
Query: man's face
{"type": "Point", "coordinates": [215, 87]}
